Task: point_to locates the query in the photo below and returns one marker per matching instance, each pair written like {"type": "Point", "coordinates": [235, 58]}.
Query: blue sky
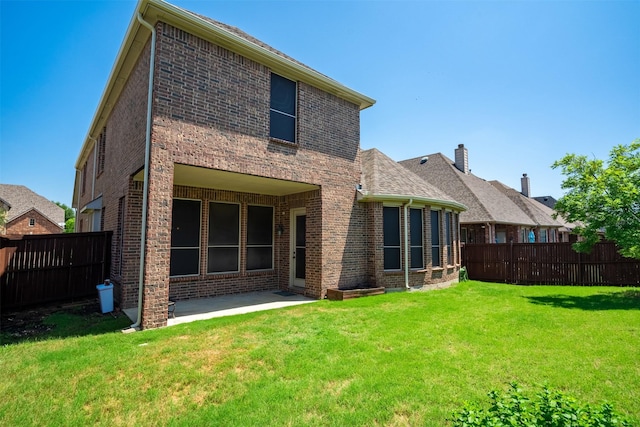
{"type": "Point", "coordinates": [519, 83]}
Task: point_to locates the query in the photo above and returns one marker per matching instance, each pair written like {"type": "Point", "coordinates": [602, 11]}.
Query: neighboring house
{"type": "Point", "coordinates": [548, 201]}
{"type": "Point", "coordinates": [242, 173]}
{"type": "Point", "coordinates": [27, 212]}
{"type": "Point", "coordinates": [547, 229]}
{"type": "Point", "coordinates": [491, 217]}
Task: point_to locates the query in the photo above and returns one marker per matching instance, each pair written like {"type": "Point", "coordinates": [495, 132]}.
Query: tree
{"type": "Point", "coordinates": [69, 217]}
{"type": "Point", "coordinates": [603, 198]}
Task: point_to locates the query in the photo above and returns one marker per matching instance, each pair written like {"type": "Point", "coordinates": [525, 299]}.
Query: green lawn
{"type": "Point", "coordinates": [396, 359]}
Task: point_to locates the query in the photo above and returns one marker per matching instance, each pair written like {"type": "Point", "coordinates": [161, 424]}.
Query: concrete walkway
{"type": "Point", "coordinates": [228, 305]}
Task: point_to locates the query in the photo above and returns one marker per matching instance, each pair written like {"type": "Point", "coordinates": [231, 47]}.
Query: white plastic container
{"type": "Point", "coordinates": [105, 292]}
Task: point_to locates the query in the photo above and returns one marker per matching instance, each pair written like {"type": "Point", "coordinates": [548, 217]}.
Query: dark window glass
{"type": "Point", "coordinates": [224, 224]}
{"type": "Point", "coordinates": [259, 258]}
{"type": "Point", "coordinates": [435, 238]}
{"type": "Point", "coordinates": [415, 230]}
{"type": "Point", "coordinates": [391, 218]}
{"type": "Point", "coordinates": [301, 230]}
{"type": "Point", "coordinates": [391, 237]}
{"type": "Point", "coordinates": [392, 258]}
{"type": "Point", "coordinates": [259, 237]}
{"type": "Point", "coordinates": [283, 108]}
{"type": "Point", "coordinates": [259, 225]}
{"type": "Point", "coordinates": [185, 223]}
{"type": "Point", "coordinates": [224, 238]}
{"type": "Point", "coordinates": [184, 262]}
{"type": "Point", "coordinates": [300, 263]}
{"type": "Point", "coordinates": [449, 238]}
{"type": "Point", "coordinates": [222, 259]}
{"type": "Point", "coordinates": [185, 238]}
{"type": "Point", "coordinates": [283, 95]}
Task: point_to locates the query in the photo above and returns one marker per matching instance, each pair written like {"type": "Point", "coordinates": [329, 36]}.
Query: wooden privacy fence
{"type": "Point", "coordinates": [550, 264]}
{"type": "Point", "coordinates": [38, 269]}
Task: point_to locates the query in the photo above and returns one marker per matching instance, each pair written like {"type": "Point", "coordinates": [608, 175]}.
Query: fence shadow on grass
{"type": "Point", "coordinates": [59, 322]}
{"type": "Point", "coordinates": [621, 300]}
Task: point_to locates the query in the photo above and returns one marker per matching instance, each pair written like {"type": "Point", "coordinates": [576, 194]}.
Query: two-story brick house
{"type": "Point", "coordinates": [223, 166]}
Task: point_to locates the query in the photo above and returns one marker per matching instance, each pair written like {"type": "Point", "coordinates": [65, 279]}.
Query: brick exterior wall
{"type": "Point", "coordinates": [20, 225]}
{"type": "Point", "coordinates": [211, 110]}
{"type": "Point", "coordinates": [425, 277]}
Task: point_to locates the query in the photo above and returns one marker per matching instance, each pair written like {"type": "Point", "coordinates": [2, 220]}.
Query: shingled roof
{"type": "Point", "coordinates": [384, 179]}
{"type": "Point", "coordinates": [485, 203]}
{"type": "Point", "coordinates": [22, 200]}
{"type": "Point", "coordinates": [539, 213]}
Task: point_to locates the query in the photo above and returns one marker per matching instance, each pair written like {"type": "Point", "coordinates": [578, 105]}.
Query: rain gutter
{"type": "Point", "coordinates": [147, 161]}
{"type": "Point", "coordinates": [406, 243]}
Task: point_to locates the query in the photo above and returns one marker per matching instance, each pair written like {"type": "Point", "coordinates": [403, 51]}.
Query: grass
{"type": "Point", "coordinates": [396, 359]}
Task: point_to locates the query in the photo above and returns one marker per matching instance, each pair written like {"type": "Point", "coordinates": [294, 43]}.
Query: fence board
{"type": "Point", "coordinates": [551, 264]}
{"type": "Point", "coordinates": [38, 269]}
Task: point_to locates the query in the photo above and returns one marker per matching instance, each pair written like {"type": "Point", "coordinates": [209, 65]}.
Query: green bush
{"type": "Point", "coordinates": [548, 408]}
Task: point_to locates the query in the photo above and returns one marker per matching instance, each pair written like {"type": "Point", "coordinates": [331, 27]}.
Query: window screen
{"type": "Point", "coordinates": [259, 237]}
{"type": "Point", "coordinates": [223, 242]}
{"type": "Point", "coordinates": [185, 238]}
{"type": "Point", "coordinates": [435, 238]}
{"type": "Point", "coordinates": [283, 108]}
{"type": "Point", "coordinates": [415, 231]}
{"type": "Point", "coordinates": [391, 237]}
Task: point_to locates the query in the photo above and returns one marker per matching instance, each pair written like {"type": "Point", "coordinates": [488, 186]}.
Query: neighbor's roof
{"type": "Point", "coordinates": [216, 32]}
{"type": "Point", "coordinates": [539, 213]}
{"type": "Point", "coordinates": [485, 203]}
{"type": "Point", "coordinates": [22, 200]}
{"type": "Point", "coordinates": [385, 180]}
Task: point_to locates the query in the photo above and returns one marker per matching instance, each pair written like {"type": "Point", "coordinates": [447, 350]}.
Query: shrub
{"type": "Point", "coordinates": [548, 408]}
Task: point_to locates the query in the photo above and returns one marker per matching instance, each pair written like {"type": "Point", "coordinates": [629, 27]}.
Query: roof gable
{"type": "Point", "coordinates": [485, 202]}
{"type": "Point", "coordinates": [531, 207]}
{"type": "Point", "coordinates": [226, 36]}
{"type": "Point", "coordinates": [385, 179]}
{"type": "Point", "coordinates": [22, 200]}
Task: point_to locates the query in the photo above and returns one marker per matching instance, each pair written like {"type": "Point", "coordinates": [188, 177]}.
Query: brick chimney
{"type": "Point", "coordinates": [526, 185]}
{"type": "Point", "coordinates": [462, 159]}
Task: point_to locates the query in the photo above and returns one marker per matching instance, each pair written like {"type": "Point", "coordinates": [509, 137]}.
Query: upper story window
{"type": "Point", "coordinates": [32, 222]}
{"type": "Point", "coordinates": [102, 143]}
{"type": "Point", "coordinates": [283, 109]}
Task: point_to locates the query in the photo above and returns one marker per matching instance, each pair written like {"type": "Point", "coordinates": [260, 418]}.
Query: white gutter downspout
{"type": "Point", "coordinates": [406, 243]}
{"type": "Point", "coordinates": [147, 159]}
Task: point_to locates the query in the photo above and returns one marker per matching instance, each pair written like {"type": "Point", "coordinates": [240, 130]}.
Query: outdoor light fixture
{"type": "Point", "coordinates": [279, 229]}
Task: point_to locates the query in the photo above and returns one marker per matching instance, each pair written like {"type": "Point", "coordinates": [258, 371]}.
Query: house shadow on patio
{"type": "Point", "coordinates": [228, 305]}
{"type": "Point", "coordinates": [622, 300]}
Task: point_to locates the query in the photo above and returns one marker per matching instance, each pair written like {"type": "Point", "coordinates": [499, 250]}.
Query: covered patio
{"type": "Point", "coordinates": [228, 305]}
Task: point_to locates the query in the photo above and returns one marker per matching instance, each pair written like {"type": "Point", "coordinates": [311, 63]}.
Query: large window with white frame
{"type": "Point", "coordinates": [185, 238]}
{"type": "Point", "coordinates": [417, 240]}
{"type": "Point", "coordinates": [391, 237]}
{"type": "Point", "coordinates": [259, 237]}
{"type": "Point", "coordinates": [435, 239]}
{"type": "Point", "coordinates": [282, 110]}
{"type": "Point", "coordinates": [223, 241]}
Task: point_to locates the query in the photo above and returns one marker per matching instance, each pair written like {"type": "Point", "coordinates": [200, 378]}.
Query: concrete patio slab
{"type": "Point", "coordinates": [228, 305]}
